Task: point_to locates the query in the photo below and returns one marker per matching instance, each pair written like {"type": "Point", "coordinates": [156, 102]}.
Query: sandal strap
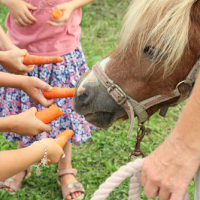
{"type": "Point", "coordinates": [14, 183]}
{"type": "Point", "coordinates": [67, 171]}
{"type": "Point", "coordinates": [71, 188]}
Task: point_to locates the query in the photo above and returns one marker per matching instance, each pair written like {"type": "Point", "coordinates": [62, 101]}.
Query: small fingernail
{"type": "Point", "coordinates": [50, 88]}
{"type": "Point", "coordinates": [63, 156]}
{"type": "Point", "coordinates": [56, 140]}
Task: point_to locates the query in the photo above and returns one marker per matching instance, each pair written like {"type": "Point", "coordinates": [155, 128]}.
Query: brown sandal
{"type": "Point", "coordinates": [14, 183]}
{"type": "Point", "coordinates": [72, 187]}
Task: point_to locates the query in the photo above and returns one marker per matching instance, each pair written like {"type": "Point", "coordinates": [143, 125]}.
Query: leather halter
{"type": "Point", "coordinates": [134, 108]}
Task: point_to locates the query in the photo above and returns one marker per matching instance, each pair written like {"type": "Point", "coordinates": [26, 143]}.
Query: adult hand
{"type": "Point", "coordinates": [33, 86]}
{"type": "Point", "coordinates": [27, 124]}
{"type": "Point", "coordinates": [169, 169]}
{"type": "Point", "coordinates": [11, 61]}
{"type": "Point", "coordinates": [20, 11]}
{"type": "Point", "coordinates": [67, 9]}
{"type": "Point", "coordinates": [54, 152]}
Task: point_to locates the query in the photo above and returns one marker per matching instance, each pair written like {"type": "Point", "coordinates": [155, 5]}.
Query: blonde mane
{"type": "Point", "coordinates": [163, 24]}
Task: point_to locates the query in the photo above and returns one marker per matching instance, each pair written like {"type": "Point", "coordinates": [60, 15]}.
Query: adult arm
{"type": "Point", "coordinates": [15, 161]}
{"type": "Point", "coordinates": [169, 169]}
{"type": "Point", "coordinates": [67, 9]}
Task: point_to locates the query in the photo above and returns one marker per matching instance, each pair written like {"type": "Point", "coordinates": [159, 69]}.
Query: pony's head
{"type": "Point", "coordinates": [159, 44]}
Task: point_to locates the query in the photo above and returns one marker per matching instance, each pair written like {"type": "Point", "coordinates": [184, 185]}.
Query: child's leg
{"type": "Point", "coordinates": [65, 163]}
{"type": "Point", "coordinates": [17, 179]}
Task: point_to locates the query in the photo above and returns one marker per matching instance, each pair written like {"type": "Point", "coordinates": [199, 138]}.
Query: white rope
{"type": "Point", "coordinates": [132, 170]}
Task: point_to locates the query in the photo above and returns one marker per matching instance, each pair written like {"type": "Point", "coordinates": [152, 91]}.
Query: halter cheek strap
{"type": "Point", "coordinates": [134, 108]}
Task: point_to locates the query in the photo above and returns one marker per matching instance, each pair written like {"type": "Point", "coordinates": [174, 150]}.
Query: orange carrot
{"type": "Point", "coordinates": [40, 60]}
{"type": "Point", "coordinates": [57, 13]}
{"type": "Point", "coordinates": [57, 92]}
{"type": "Point", "coordinates": [49, 114]}
{"type": "Point", "coordinates": [64, 136]}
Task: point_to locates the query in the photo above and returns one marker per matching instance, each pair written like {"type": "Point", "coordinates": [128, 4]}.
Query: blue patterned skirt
{"type": "Point", "coordinates": [64, 74]}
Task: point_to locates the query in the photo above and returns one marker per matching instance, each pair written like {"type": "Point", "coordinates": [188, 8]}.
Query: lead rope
{"type": "Point", "coordinates": [133, 170]}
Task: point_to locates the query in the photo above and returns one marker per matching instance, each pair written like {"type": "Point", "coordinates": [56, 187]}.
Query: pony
{"type": "Point", "coordinates": [153, 67]}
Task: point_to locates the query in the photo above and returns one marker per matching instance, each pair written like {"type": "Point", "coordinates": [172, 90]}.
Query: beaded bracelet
{"type": "Point", "coordinates": [43, 160]}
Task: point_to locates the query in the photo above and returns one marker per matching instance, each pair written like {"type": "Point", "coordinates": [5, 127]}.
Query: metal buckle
{"type": "Point", "coordinates": [137, 151]}
{"type": "Point", "coordinates": [180, 83]}
{"type": "Point", "coordinates": [117, 94]}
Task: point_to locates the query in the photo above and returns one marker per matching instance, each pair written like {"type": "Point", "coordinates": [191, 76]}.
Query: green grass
{"type": "Point", "coordinates": [108, 149]}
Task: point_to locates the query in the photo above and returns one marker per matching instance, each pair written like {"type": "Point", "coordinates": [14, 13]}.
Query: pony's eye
{"type": "Point", "coordinates": [149, 52]}
{"type": "Point", "coordinates": [152, 53]}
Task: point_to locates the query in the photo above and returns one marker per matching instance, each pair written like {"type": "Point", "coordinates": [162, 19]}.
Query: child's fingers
{"type": "Point", "coordinates": [59, 7]}
{"type": "Point", "coordinates": [33, 110]}
{"type": "Point", "coordinates": [23, 52]}
{"type": "Point", "coordinates": [47, 102]}
{"type": "Point", "coordinates": [19, 22]}
{"type": "Point", "coordinates": [39, 84]}
{"type": "Point", "coordinates": [23, 21]}
{"type": "Point", "coordinates": [56, 140]}
{"type": "Point", "coordinates": [43, 86]}
{"type": "Point", "coordinates": [28, 68]}
{"type": "Point", "coordinates": [42, 100]}
{"type": "Point", "coordinates": [45, 127]}
{"type": "Point", "coordinates": [27, 20]}
{"type": "Point", "coordinates": [23, 70]}
{"type": "Point", "coordinates": [30, 6]}
{"type": "Point", "coordinates": [16, 22]}
{"type": "Point", "coordinates": [30, 17]}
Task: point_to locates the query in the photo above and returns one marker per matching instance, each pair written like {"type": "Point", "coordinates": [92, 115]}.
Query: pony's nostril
{"type": "Point", "coordinates": [83, 97]}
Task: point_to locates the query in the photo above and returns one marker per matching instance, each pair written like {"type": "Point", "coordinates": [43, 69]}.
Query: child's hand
{"type": "Point", "coordinates": [27, 124]}
{"type": "Point", "coordinates": [19, 11]}
{"type": "Point", "coordinates": [11, 61]}
{"type": "Point", "coordinates": [54, 151]}
{"type": "Point", "coordinates": [33, 86]}
{"type": "Point", "coordinates": [67, 9]}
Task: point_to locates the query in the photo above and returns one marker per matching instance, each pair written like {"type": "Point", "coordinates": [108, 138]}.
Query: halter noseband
{"type": "Point", "coordinates": [134, 108]}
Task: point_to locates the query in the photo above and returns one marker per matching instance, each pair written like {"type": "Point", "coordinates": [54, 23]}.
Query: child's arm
{"type": "Point", "coordinates": [24, 123]}
{"type": "Point", "coordinates": [11, 56]}
{"type": "Point", "coordinates": [31, 85]}
{"type": "Point", "coordinates": [5, 42]}
{"type": "Point", "coordinates": [67, 9]}
{"type": "Point", "coordinates": [15, 161]}
{"type": "Point", "coordinates": [80, 3]}
{"type": "Point", "coordinates": [19, 11]}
